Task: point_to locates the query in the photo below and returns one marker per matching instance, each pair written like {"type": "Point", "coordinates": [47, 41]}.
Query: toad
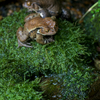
{"type": "Point", "coordinates": [37, 28]}
{"type": "Point", "coordinates": [47, 8]}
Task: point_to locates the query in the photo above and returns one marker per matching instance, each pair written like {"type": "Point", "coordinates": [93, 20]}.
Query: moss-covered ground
{"type": "Point", "coordinates": [67, 59]}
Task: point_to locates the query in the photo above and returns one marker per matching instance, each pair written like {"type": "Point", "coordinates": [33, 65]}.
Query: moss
{"type": "Point", "coordinates": [20, 91]}
{"type": "Point", "coordinates": [73, 84]}
{"type": "Point", "coordinates": [65, 55]}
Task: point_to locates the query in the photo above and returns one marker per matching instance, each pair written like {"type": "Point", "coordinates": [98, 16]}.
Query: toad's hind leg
{"type": "Point", "coordinates": [22, 37]}
{"type": "Point", "coordinates": [22, 44]}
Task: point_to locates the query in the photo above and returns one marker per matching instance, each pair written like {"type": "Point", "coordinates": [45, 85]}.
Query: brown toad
{"type": "Point", "coordinates": [36, 28]}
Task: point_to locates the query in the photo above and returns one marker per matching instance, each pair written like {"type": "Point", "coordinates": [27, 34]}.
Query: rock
{"type": "Point", "coordinates": [97, 64]}
{"type": "Point", "coordinates": [95, 90]}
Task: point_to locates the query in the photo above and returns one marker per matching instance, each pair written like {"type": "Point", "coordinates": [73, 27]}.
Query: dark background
{"type": "Point", "coordinates": [76, 7]}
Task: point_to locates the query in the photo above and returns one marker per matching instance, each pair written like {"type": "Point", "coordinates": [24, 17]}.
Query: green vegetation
{"type": "Point", "coordinates": [92, 21]}
{"type": "Point", "coordinates": [21, 68]}
{"type": "Point", "coordinates": [20, 91]}
{"type": "Point", "coordinates": [92, 28]}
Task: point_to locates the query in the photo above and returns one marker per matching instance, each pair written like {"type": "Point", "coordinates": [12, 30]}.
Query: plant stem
{"type": "Point", "coordinates": [88, 11]}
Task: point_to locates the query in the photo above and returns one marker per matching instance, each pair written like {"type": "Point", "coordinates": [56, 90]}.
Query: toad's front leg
{"type": "Point", "coordinates": [22, 38]}
{"type": "Point", "coordinates": [41, 40]}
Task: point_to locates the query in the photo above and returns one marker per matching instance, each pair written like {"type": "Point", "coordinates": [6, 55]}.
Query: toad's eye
{"type": "Point", "coordinates": [28, 3]}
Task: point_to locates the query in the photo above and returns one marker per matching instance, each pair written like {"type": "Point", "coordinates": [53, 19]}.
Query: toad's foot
{"type": "Point", "coordinates": [46, 41]}
{"type": "Point", "coordinates": [22, 44]}
{"type": "Point", "coordinates": [43, 40]}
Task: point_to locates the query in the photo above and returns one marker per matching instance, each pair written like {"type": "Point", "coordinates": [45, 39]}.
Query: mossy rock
{"type": "Point", "coordinates": [65, 55]}
{"type": "Point", "coordinates": [57, 56]}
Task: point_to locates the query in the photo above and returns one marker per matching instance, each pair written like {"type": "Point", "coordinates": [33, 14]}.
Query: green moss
{"type": "Point", "coordinates": [62, 56]}
{"type": "Point", "coordinates": [57, 56]}
{"type": "Point", "coordinates": [20, 91]}
{"type": "Point", "coordinates": [73, 84]}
